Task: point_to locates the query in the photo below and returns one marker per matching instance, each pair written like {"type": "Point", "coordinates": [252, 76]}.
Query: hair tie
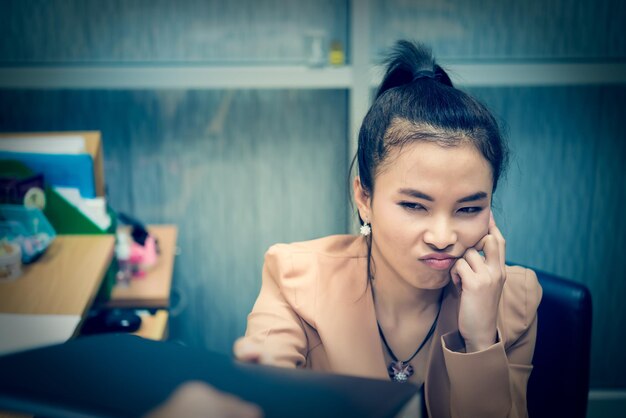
{"type": "Point", "coordinates": [423, 74]}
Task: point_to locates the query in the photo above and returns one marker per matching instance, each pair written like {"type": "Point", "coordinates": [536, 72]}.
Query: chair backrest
{"type": "Point", "coordinates": [559, 382]}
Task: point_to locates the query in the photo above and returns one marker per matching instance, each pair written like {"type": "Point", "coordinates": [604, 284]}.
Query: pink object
{"type": "Point", "coordinates": [143, 257]}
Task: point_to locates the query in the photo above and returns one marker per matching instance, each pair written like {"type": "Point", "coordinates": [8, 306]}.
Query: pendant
{"type": "Point", "coordinates": [399, 371]}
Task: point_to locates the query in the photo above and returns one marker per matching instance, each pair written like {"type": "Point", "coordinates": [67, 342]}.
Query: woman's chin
{"type": "Point", "coordinates": [433, 281]}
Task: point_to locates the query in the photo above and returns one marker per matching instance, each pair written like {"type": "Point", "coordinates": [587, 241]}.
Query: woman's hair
{"type": "Point", "coordinates": [416, 101]}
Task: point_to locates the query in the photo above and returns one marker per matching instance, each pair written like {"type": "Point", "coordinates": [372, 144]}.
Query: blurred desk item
{"type": "Point", "coordinates": [24, 331]}
{"type": "Point", "coordinates": [153, 326]}
{"type": "Point", "coordinates": [152, 290]}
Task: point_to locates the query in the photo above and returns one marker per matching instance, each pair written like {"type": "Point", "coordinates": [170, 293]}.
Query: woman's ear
{"type": "Point", "coordinates": [362, 199]}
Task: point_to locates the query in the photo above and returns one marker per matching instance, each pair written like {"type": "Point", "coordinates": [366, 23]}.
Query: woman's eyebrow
{"type": "Point", "coordinates": [417, 194]}
{"type": "Point", "coordinates": [473, 197]}
{"type": "Point", "coordinates": [421, 195]}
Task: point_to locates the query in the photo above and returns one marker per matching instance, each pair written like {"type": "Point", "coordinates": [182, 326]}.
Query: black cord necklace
{"type": "Point", "coordinates": [401, 370]}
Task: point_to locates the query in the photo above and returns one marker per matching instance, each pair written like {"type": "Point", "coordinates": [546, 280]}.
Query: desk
{"type": "Point", "coordinates": [48, 302]}
{"type": "Point", "coordinates": [64, 281]}
{"type": "Point", "coordinates": [152, 291]}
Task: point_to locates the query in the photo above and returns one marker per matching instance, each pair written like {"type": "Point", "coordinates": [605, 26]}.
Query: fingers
{"type": "Point", "coordinates": [249, 352]}
{"type": "Point", "coordinates": [495, 232]}
{"type": "Point", "coordinates": [195, 399]}
{"type": "Point", "coordinates": [462, 271]}
{"type": "Point", "coordinates": [227, 405]}
{"type": "Point", "coordinates": [493, 246]}
{"type": "Point", "coordinates": [475, 260]}
{"type": "Point", "coordinates": [493, 262]}
{"type": "Point", "coordinates": [473, 266]}
{"type": "Point", "coordinates": [493, 258]}
{"type": "Point", "coordinates": [456, 278]}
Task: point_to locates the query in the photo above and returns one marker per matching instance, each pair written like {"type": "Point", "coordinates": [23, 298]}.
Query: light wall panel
{"type": "Point", "coordinates": [190, 31]}
{"type": "Point", "coordinates": [474, 30]}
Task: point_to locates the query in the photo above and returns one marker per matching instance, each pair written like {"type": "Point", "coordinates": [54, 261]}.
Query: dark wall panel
{"type": "Point", "coordinates": [561, 207]}
{"type": "Point", "coordinates": [495, 30]}
{"type": "Point", "coordinates": [234, 170]}
{"type": "Point", "coordinates": [243, 31]}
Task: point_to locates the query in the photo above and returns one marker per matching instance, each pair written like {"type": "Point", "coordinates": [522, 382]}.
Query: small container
{"type": "Point", "coordinates": [10, 261]}
{"type": "Point", "coordinates": [27, 227]}
{"type": "Point", "coordinates": [315, 49]}
{"type": "Point", "coordinates": [336, 56]}
{"type": "Point", "coordinates": [122, 253]}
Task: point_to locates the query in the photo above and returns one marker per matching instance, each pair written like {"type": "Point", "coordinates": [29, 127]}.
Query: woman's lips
{"type": "Point", "coordinates": [438, 261]}
{"type": "Point", "coordinates": [438, 264]}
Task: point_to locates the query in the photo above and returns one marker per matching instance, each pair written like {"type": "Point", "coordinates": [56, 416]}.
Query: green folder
{"type": "Point", "coordinates": [67, 219]}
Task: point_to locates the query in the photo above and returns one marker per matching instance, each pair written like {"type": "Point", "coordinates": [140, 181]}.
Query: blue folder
{"type": "Point", "coordinates": [60, 170]}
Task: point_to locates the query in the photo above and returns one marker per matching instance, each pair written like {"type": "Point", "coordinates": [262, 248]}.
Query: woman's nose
{"type": "Point", "coordinates": [440, 234]}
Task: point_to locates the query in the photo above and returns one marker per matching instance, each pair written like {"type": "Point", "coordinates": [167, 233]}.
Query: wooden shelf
{"type": "Point", "coordinates": [180, 77]}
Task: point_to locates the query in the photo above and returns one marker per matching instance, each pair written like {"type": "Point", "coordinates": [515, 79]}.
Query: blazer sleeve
{"type": "Point", "coordinates": [273, 323]}
{"type": "Point", "coordinates": [492, 382]}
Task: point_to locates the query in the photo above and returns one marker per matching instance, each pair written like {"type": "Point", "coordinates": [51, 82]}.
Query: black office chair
{"type": "Point", "coordinates": [559, 382]}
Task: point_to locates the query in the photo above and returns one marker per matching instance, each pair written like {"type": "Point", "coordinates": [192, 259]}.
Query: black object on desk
{"type": "Point", "coordinates": [120, 375]}
{"type": "Point", "coordinates": [99, 321]}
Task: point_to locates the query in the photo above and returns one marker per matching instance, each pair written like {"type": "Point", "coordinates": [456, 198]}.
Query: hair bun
{"type": "Point", "coordinates": [424, 74]}
{"type": "Point", "coordinates": [408, 62]}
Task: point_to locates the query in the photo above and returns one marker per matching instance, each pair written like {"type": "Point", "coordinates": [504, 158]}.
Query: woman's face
{"type": "Point", "coordinates": [427, 200]}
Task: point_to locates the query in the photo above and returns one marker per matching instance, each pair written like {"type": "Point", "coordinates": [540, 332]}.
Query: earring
{"type": "Point", "coordinates": [365, 229]}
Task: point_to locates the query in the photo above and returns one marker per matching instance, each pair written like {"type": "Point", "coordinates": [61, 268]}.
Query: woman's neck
{"type": "Point", "coordinates": [396, 299]}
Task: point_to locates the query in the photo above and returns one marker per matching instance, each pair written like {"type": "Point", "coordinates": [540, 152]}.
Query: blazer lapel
{"type": "Point", "coordinates": [346, 322]}
{"type": "Point", "coordinates": [437, 386]}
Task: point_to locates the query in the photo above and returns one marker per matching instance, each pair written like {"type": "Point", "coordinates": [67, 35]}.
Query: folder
{"type": "Point", "coordinates": [126, 376]}
{"type": "Point", "coordinates": [92, 146]}
{"type": "Point", "coordinates": [67, 219]}
{"type": "Point", "coordinates": [65, 170]}
{"type": "Point", "coordinates": [64, 217]}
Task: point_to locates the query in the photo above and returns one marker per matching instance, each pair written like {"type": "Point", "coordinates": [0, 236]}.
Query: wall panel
{"type": "Point", "coordinates": [233, 169]}
{"type": "Point", "coordinates": [561, 206]}
{"type": "Point", "coordinates": [494, 30]}
{"type": "Point", "coordinates": [88, 31]}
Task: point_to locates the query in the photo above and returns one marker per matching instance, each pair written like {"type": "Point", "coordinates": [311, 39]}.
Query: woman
{"type": "Point", "coordinates": [412, 298]}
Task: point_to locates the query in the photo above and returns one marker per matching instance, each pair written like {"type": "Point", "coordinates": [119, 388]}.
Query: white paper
{"type": "Point", "coordinates": [94, 209]}
{"type": "Point", "coordinates": [24, 331]}
{"type": "Point", "coordinates": [44, 144]}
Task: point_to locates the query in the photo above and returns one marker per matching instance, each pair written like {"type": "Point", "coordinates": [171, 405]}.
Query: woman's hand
{"type": "Point", "coordinates": [480, 281]}
{"type": "Point", "coordinates": [249, 352]}
{"type": "Point", "coordinates": [197, 399]}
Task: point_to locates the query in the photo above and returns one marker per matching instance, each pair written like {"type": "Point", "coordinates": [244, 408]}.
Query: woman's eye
{"type": "Point", "coordinates": [412, 206]}
{"type": "Point", "coordinates": [472, 209]}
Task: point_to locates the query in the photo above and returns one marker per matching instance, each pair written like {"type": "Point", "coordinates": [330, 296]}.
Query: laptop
{"type": "Point", "coordinates": [122, 375]}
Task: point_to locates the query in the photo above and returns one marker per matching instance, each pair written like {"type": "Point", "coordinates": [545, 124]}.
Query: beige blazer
{"type": "Point", "coordinates": [316, 311]}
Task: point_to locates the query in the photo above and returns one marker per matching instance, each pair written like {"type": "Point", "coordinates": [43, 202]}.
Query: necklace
{"type": "Point", "coordinates": [401, 370]}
